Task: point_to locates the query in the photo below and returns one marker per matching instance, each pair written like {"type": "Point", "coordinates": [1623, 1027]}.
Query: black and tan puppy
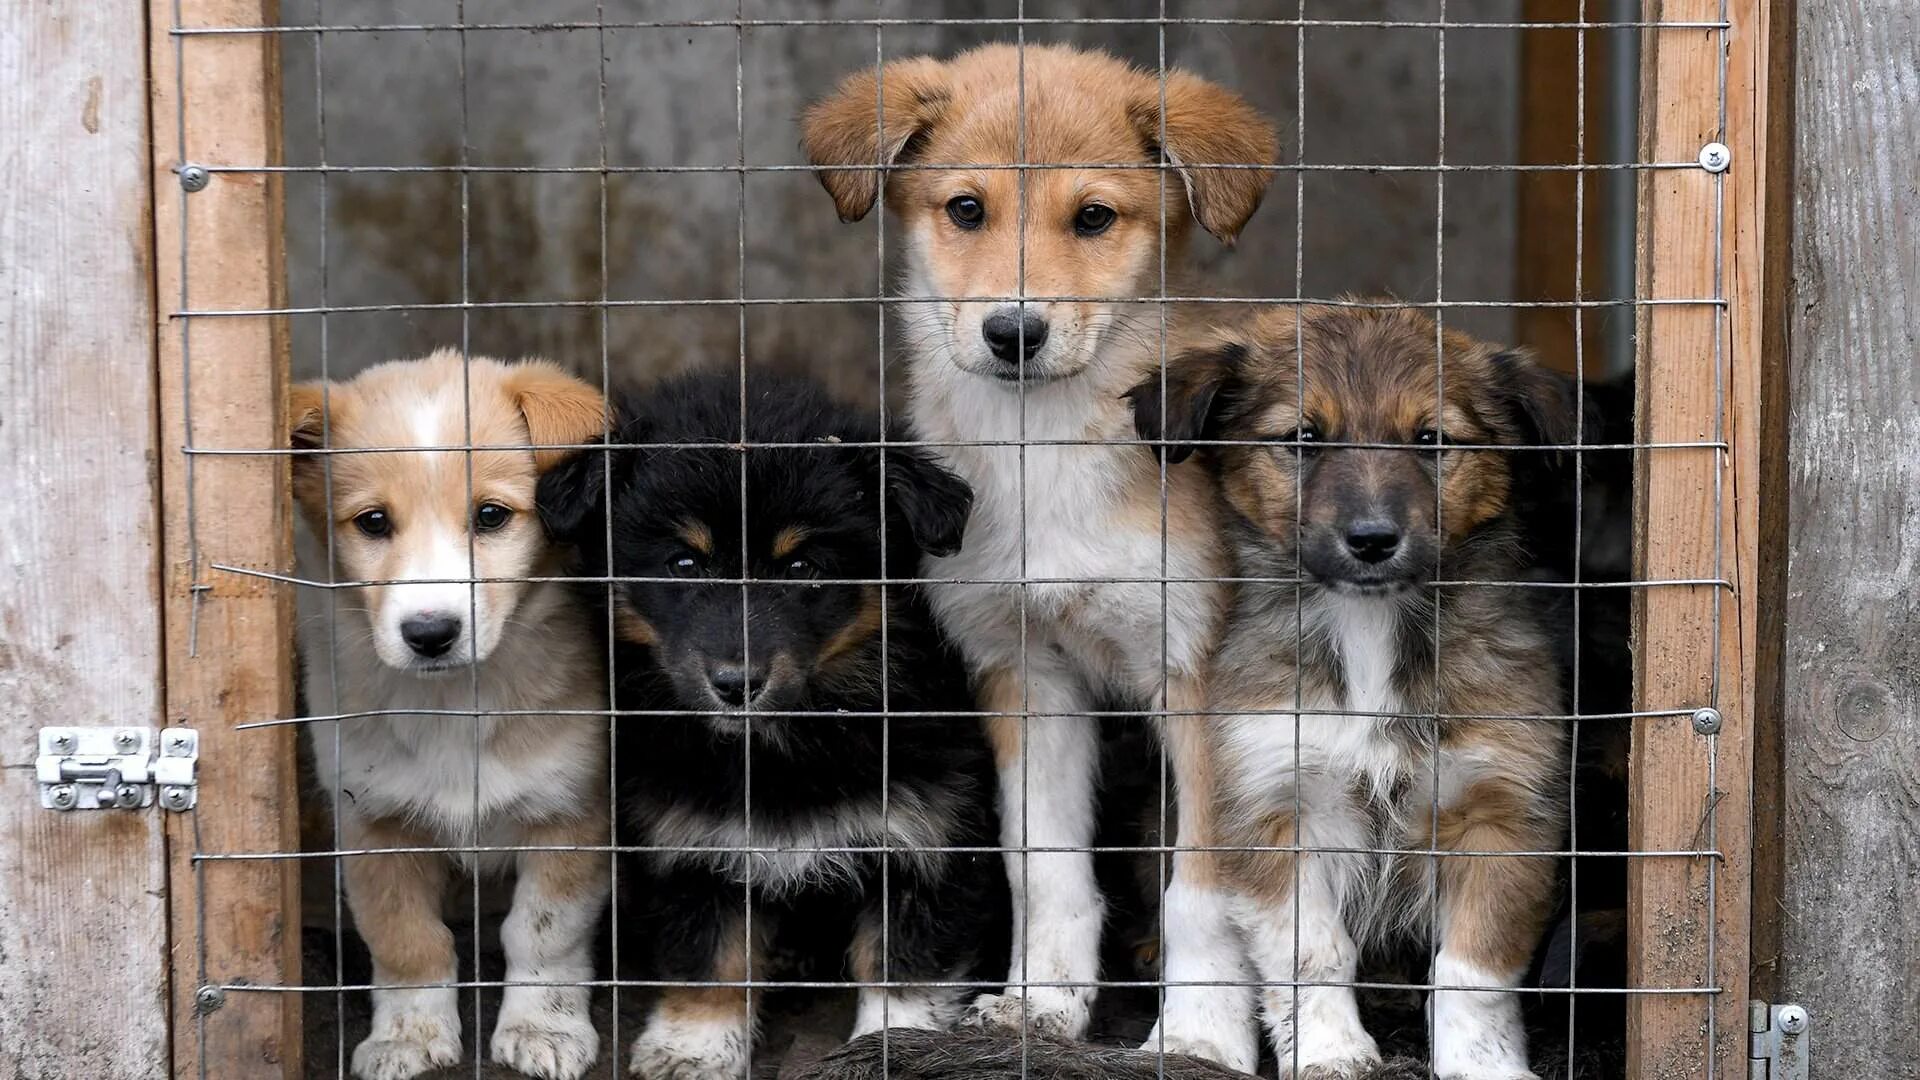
{"type": "Point", "coordinates": [1372, 701]}
{"type": "Point", "coordinates": [807, 699]}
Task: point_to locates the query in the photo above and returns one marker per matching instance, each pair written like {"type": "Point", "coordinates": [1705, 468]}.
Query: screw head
{"type": "Point", "coordinates": [63, 742]}
{"type": "Point", "coordinates": [209, 999]}
{"type": "Point", "coordinates": [177, 742]}
{"type": "Point", "coordinates": [1793, 1019]}
{"type": "Point", "coordinates": [126, 795]}
{"type": "Point", "coordinates": [65, 797]}
{"type": "Point", "coordinates": [1706, 721]}
{"type": "Point", "coordinates": [174, 798]}
{"type": "Point", "coordinates": [194, 177]}
{"type": "Point", "coordinates": [1715, 157]}
{"type": "Point", "coordinates": [126, 741]}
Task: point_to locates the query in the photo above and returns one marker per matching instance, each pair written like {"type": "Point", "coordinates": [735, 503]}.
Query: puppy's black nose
{"type": "Point", "coordinates": [1010, 330]}
{"type": "Point", "coordinates": [735, 684]}
{"type": "Point", "coordinates": [430, 635]}
{"type": "Point", "coordinates": [1372, 541]}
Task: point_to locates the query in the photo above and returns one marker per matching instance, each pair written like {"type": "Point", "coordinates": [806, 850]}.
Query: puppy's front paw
{"type": "Point", "coordinates": [1220, 1047]}
{"type": "Point", "coordinates": [682, 1049]}
{"type": "Point", "coordinates": [550, 1046]}
{"type": "Point", "coordinates": [407, 1046]}
{"type": "Point", "coordinates": [1344, 1069]}
{"type": "Point", "coordinates": [1057, 1012]}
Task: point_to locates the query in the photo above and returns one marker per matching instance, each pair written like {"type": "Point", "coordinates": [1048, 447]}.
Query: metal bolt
{"type": "Point", "coordinates": [63, 742]}
{"type": "Point", "coordinates": [173, 797]}
{"type": "Point", "coordinates": [208, 999]}
{"type": "Point", "coordinates": [1715, 157]}
{"type": "Point", "coordinates": [194, 177]}
{"type": "Point", "coordinates": [1793, 1019]}
{"type": "Point", "coordinates": [126, 741]}
{"type": "Point", "coordinates": [1706, 721]}
{"type": "Point", "coordinates": [64, 797]}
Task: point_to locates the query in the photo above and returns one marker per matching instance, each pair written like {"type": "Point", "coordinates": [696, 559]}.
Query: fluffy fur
{"type": "Point", "coordinates": [822, 720]}
{"type": "Point", "coordinates": [905, 1055]}
{"type": "Point", "coordinates": [434, 640]}
{"type": "Point", "coordinates": [1339, 659]}
{"type": "Point", "coordinates": [1044, 320]}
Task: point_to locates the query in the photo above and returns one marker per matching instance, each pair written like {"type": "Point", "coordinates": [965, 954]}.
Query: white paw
{"type": "Point", "coordinates": [1344, 1069]}
{"type": "Point", "coordinates": [550, 1046]}
{"type": "Point", "coordinates": [1220, 1047]}
{"type": "Point", "coordinates": [689, 1050]}
{"type": "Point", "coordinates": [408, 1046]}
{"type": "Point", "coordinates": [1477, 1035]}
{"type": "Point", "coordinates": [1055, 1011]}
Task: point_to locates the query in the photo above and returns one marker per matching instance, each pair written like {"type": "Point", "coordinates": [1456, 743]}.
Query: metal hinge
{"type": "Point", "coordinates": [1780, 1042]}
{"type": "Point", "coordinates": [117, 768]}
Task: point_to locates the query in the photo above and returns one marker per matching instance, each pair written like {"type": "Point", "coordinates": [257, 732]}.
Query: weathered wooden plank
{"type": "Point", "coordinates": [228, 652]}
{"type": "Point", "coordinates": [1700, 378]}
{"type": "Point", "coordinates": [1849, 927]}
{"type": "Point", "coordinates": [82, 896]}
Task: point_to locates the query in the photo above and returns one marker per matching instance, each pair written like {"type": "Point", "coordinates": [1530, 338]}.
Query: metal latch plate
{"type": "Point", "coordinates": [117, 768]}
{"type": "Point", "coordinates": [1780, 1042]}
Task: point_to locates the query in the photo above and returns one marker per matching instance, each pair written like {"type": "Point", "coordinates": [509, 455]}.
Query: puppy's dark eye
{"type": "Point", "coordinates": [1428, 437]}
{"type": "Point", "coordinates": [1305, 436]}
{"type": "Point", "coordinates": [1093, 219]}
{"type": "Point", "coordinates": [800, 569]}
{"type": "Point", "coordinates": [685, 564]}
{"type": "Point", "coordinates": [490, 516]}
{"type": "Point", "coordinates": [966, 211]}
{"type": "Point", "coordinates": [373, 522]}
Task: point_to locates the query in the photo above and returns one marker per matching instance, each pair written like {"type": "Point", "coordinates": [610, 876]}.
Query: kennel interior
{"type": "Point", "coordinates": [619, 187]}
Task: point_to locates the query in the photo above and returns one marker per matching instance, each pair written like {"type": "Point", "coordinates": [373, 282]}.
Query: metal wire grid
{"type": "Point", "coordinates": [318, 32]}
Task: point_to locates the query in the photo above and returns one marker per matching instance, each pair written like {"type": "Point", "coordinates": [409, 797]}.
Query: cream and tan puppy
{"type": "Point", "coordinates": [1033, 245]}
{"type": "Point", "coordinates": [454, 633]}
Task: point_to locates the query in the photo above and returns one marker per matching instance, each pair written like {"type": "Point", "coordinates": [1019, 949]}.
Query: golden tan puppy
{"type": "Point", "coordinates": [430, 522]}
{"type": "Point", "coordinates": [1039, 195]}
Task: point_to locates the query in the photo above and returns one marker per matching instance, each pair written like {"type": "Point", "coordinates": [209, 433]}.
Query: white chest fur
{"type": "Point", "coordinates": [1342, 738]}
{"type": "Point", "coordinates": [1067, 537]}
{"type": "Point", "coordinates": [464, 779]}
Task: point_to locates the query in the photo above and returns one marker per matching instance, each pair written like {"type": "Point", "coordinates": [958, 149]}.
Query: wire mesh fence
{"type": "Point", "coordinates": [630, 191]}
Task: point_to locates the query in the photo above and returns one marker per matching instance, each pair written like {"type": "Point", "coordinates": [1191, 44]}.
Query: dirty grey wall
{"type": "Point", "coordinates": [531, 98]}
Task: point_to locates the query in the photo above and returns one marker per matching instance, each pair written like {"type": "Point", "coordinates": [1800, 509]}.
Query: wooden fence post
{"type": "Point", "coordinates": [216, 101]}
{"type": "Point", "coordinates": [1700, 378]}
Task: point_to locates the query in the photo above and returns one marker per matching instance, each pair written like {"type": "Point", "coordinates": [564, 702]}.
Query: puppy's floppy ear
{"type": "Point", "coordinates": [1541, 401]}
{"type": "Point", "coordinates": [571, 497]}
{"type": "Point", "coordinates": [1198, 384]}
{"type": "Point", "coordinates": [929, 498]}
{"type": "Point", "coordinates": [855, 130]}
{"type": "Point", "coordinates": [306, 426]}
{"type": "Point", "coordinates": [558, 408]}
{"type": "Point", "coordinates": [1207, 124]}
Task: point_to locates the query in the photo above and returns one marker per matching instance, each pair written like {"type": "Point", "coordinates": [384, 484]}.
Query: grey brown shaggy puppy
{"type": "Point", "coordinates": [1370, 699]}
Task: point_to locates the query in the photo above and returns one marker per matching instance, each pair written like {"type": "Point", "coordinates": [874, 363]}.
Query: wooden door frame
{"type": "Point", "coordinates": [83, 932]}
{"type": "Point", "coordinates": [222, 384]}
{"type": "Point", "coordinates": [1703, 375]}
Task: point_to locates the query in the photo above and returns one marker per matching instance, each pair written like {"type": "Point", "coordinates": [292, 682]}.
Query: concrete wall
{"type": "Point", "coordinates": [532, 98]}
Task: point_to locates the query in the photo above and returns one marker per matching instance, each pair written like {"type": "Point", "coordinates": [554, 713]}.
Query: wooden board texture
{"type": "Point", "coordinates": [1700, 377]}
{"type": "Point", "coordinates": [82, 895]}
{"type": "Point", "coordinates": [222, 385]}
{"type": "Point", "coordinates": [1848, 924]}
